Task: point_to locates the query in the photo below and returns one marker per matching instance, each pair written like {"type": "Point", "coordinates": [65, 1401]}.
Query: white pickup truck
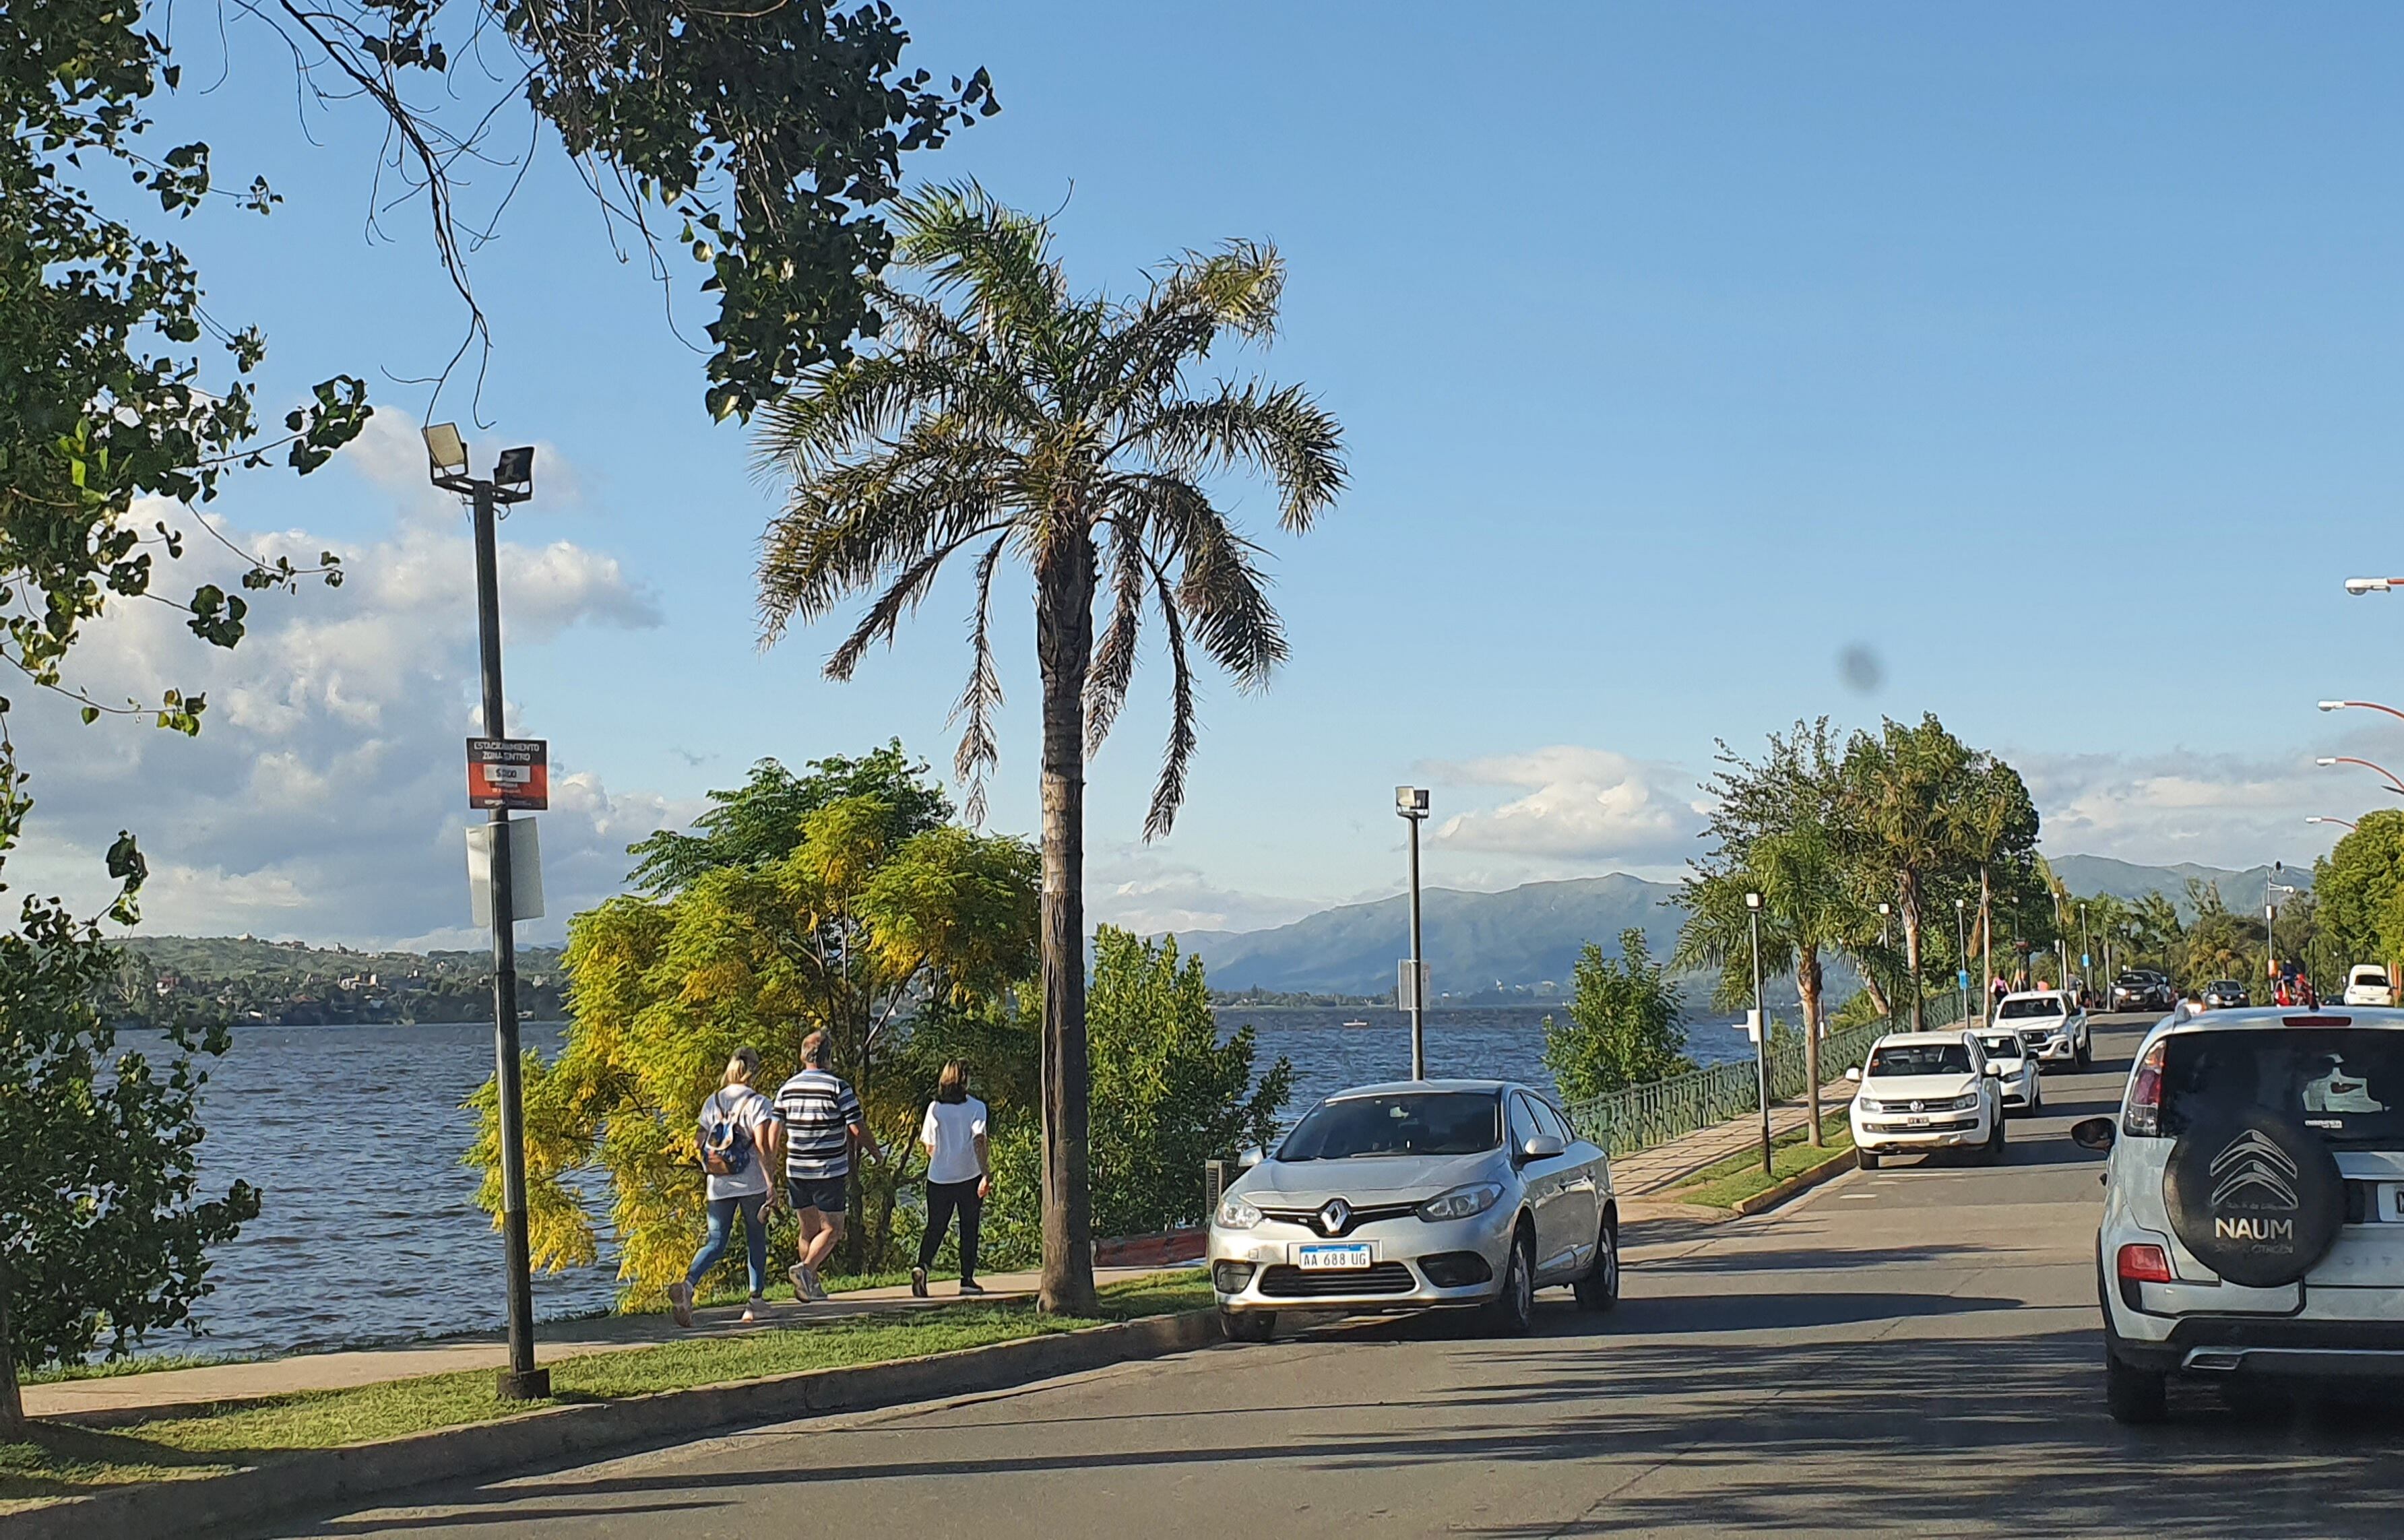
{"type": "Point", "coordinates": [2050, 1025]}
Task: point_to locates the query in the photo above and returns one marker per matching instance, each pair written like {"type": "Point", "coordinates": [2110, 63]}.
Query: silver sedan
{"type": "Point", "coordinates": [1443, 1194]}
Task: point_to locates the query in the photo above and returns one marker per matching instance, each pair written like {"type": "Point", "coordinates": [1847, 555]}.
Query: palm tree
{"type": "Point", "coordinates": [1900, 788]}
{"type": "Point", "coordinates": [1005, 414]}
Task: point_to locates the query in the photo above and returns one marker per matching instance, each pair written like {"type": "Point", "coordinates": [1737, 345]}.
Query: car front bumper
{"type": "Point", "coordinates": [1889, 1133]}
{"type": "Point", "coordinates": [2052, 1050]}
{"type": "Point", "coordinates": [1411, 1256]}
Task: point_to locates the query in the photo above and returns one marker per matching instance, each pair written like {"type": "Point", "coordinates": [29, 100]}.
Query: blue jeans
{"type": "Point", "coordinates": [721, 1231]}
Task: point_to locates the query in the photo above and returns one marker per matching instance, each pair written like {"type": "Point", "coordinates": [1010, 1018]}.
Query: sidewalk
{"type": "Point", "coordinates": [122, 1396]}
{"type": "Point", "coordinates": [1648, 1173]}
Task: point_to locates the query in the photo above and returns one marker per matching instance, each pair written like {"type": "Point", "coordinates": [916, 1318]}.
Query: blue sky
{"type": "Point", "coordinates": [2046, 354]}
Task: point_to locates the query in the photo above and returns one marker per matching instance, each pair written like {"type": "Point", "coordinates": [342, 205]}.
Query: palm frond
{"type": "Point", "coordinates": [904, 594]}
{"type": "Point", "coordinates": [968, 242]}
{"type": "Point", "coordinates": [1236, 289]}
{"type": "Point", "coordinates": [1281, 431]}
{"type": "Point", "coordinates": [978, 752]}
{"type": "Point", "coordinates": [1114, 657]}
{"type": "Point", "coordinates": [1169, 792]}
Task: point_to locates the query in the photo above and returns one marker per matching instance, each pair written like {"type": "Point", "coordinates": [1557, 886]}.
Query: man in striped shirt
{"type": "Point", "coordinates": [822, 1116]}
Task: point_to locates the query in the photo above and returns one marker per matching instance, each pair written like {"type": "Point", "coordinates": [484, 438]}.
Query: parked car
{"type": "Point", "coordinates": [2367, 984]}
{"type": "Point", "coordinates": [2253, 1205]}
{"type": "Point", "coordinates": [2052, 1026]}
{"type": "Point", "coordinates": [2015, 1072]}
{"type": "Point", "coordinates": [1418, 1195]}
{"type": "Point", "coordinates": [2225, 994]}
{"type": "Point", "coordinates": [1926, 1091]}
{"type": "Point", "coordinates": [2143, 989]}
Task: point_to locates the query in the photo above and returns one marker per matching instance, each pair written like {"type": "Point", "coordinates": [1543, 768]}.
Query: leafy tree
{"type": "Point", "coordinates": [1003, 412]}
{"type": "Point", "coordinates": [2359, 886]}
{"type": "Point", "coordinates": [1993, 825]}
{"type": "Point", "coordinates": [1901, 789]}
{"type": "Point", "coordinates": [861, 924]}
{"type": "Point", "coordinates": [1626, 1025]}
{"type": "Point", "coordinates": [105, 402]}
{"type": "Point", "coordinates": [1168, 1094]}
{"type": "Point", "coordinates": [761, 823]}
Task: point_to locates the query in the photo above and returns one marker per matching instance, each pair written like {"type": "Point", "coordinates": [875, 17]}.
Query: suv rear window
{"type": "Point", "coordinates": [2013, 1009]}
{"type": "Point", "coordinates": [2348, 1084]}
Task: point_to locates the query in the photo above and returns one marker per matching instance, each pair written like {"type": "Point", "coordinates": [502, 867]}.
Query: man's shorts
{"type": "Point", "coordinates": [823, 1192]}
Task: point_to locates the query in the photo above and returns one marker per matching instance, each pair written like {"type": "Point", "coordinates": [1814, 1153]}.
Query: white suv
{"type": "Point", "coordinates": [1922, 1092]}
{"type": "Point", "coordinates": [2254, 1204]}
{"type": "Point", "coordinates": [2051, 1024]}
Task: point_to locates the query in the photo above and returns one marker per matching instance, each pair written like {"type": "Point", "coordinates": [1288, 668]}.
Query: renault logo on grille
{"type": "Point", "coordinates": [1335, 1217]}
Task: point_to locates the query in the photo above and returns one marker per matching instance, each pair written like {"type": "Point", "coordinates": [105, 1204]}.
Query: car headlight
{"type": "Point", "coordinates": [1462, 1202]}
{"type": "Point", "coordinates": [1868, 1104]}
{"type": "Point", "coordinates": [1961, 1103]}
{"type": "Point", "coordinates": [1237, 1215]}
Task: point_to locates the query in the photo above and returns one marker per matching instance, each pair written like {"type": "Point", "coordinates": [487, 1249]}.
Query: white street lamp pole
{"type": "Point", "coordinates": [1761, 1025]}
{"type": "Point", "coordinates": [1411, 805]}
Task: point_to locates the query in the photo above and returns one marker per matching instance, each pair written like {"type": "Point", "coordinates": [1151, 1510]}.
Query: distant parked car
{"type": "Point", "coordinates": [1922, 1092]}
{"type": "Point", "coordinates": [2143, 989]}
{"type": "Point", "coordinates": [1423, 1193]}
{"type": "Point", "coordinates": [2225, 994]}
{"type": "Point", "coordinates": [2015, 1072]}
{"type": "Point", "coordinates": [2367, 984]}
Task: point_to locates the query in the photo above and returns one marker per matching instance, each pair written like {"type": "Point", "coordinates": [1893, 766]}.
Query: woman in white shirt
{"type": "Point", "coordinates": [960, 1174]}
{"type": "Point", "coordinates": [739, 1135]}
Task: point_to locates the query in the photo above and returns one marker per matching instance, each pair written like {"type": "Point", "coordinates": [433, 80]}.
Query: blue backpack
{"type": "Point", "coordinates": [725, 1143]}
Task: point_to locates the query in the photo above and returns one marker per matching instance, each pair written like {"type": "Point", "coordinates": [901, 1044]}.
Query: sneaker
{"type": "Point", "coordinates": [755, 1309]}
{"type": "Point", "coordinates": [801, 1277]}
{"type": "Point", "coordinates": [681, 1302]}
{"type": "Point", "coordinates": [811, 1286]}
{"type": "Point", "coordinates": [917, 1283]}
{"type": "Point", "coordinates": [970, 1285]}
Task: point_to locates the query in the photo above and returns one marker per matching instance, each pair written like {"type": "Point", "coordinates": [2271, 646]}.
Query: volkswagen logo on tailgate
{"type": "Point", "coordinates": [1335, 1217]}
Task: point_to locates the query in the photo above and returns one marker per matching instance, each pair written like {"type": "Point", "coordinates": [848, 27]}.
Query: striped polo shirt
{"type": "Point", "coordinates": [819, 1109]}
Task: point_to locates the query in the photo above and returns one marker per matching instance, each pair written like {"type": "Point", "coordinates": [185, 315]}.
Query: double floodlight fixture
{"type": "Point", "coordinates": [446, 466]}
{"type": "Point", "coordinates": [1410, 802]}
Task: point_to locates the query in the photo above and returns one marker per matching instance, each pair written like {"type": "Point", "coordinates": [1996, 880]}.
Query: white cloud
{"type": "Point", "coordinates": [2213, 809]}
{"type": "Point", "coordinates": [1579, 806]}
{"type": "Point", "coordinates": [323, 798]}
{"type": "Point", "coordinates": [1139, 890]}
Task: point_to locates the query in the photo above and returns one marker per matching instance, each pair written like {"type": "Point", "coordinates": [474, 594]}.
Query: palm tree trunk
{"type": "Point", "coordinates": [1064, 645]}
{"type": "Point", "coordinates": [1807, 985]}
{"type": "Point", "coordinates": [1907, 884]}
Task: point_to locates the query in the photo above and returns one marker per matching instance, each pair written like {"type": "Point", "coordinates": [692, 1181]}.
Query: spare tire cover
{"type": "Point", "coordinates": [2256, 1197]}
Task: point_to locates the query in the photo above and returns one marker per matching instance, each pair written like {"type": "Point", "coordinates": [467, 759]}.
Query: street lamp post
{"type": "Point", "coordinates": [2393, 784]}
{"type": "Point", "coordinates": [1411, 805]}
{"type": "Point", "coordinates": [2085, 954]}
{"type": "Point", "coordinates": [511, 481]}
{"type": "Point", "coordinates": [1961, 968]}
{"type": "Point", "coordinates": [2342, 823]}
{"type": "Point", "coordinates": [1761, 1026]}
{"type": "Point", "coordinates": [1886, 912]}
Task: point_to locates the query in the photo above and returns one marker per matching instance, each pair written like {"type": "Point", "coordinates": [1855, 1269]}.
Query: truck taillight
{"type": "Point", "coordinates": [2145, 1113]}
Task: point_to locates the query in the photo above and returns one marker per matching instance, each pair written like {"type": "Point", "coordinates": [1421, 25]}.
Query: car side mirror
{"type": "Point", "coordinates": [1252, 1158]}
{"type": "Point", "coordinates": [1541, 1147]}
{"type": "Point", "coordinates": [1855, 1074]}
{"type": "Point", "coordinates": [2094, 1133]}
{"type": "Point", "coordinates": [1994, 1070]}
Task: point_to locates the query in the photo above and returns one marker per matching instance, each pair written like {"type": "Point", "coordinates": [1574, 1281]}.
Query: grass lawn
{"type": "Point", "coordinates": [1739, 1177]}
{"type": "Point", "coordinates": [61, 1460]}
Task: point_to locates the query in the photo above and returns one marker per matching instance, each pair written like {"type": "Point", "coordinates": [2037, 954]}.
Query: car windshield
{"type": "Point", "coordinates": [2227, 985]}
{"type": "Point", "coordinates": [1409, 1122]}
{"type": "Point", "coordinates": [2015, 1010]}
{"type": "Point", "coordinates": [2134, 981]}
{"type": "Point", "coordinates": [1921, 1058]}
{"type": "Point", "coordinates": [2002, 1045]}
{"type": "Point", "coordinates": [2348, 1084]}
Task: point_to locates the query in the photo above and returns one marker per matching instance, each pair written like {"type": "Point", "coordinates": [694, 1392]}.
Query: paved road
{"type": "Point", "coordinates": [1909, 1351]}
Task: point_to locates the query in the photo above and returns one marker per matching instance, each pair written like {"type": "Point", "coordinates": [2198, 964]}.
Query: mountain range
{"type": "Point", "coordinates": [1521, 940]}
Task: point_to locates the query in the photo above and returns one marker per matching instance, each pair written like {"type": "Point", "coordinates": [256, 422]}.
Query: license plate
{"type": "Point", "coordinates": [1313, 1259]}
{"type": "Point", "coordinates": [1915, 1123]}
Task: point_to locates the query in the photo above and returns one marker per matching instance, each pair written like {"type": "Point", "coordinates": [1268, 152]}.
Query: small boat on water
{"type": "Point", "coordinates": [1356, 1023]}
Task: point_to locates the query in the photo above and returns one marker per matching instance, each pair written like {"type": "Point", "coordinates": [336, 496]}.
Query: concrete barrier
{"type": "Point", "coordinates": [563, 1436]}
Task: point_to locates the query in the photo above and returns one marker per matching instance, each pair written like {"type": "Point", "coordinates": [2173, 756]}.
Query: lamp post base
{"type": "Point", "coordinates": [533, 1385]}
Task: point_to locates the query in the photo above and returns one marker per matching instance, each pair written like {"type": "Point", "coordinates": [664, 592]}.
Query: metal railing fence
{"type": "Point", "coordinates": [1642, 1116]}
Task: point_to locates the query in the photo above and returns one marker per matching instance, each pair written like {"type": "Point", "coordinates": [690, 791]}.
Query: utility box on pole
{"type": "Point", "coordinates": [525, 871]}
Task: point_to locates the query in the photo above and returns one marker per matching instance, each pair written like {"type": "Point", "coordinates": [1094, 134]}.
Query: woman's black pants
{"type": "Point", "coordinates": [943, 1197]}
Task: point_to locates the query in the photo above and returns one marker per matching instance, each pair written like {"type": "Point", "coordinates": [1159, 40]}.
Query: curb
{"type": "Point", "coordinates": [323, 1479]}
{"type": "Point", "coordinates": [1837, 1165]}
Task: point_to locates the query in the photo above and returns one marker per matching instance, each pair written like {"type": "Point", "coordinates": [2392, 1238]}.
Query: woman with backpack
{"type": "Point", "coordinates": [739, 1135]}
{"type": "Point", "coordinates": [960, 1174]}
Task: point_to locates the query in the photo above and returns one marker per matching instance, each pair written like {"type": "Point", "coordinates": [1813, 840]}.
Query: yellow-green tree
{"type": "Point", "coordinates": [858, 929]}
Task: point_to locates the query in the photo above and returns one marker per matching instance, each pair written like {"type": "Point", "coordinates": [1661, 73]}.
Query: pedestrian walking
{"type": "Point", "coordinates": [739, 1135]}
{"type": "Point", "coordinates": [822, 1124]}
{"type": "Point", "coordinates": [959, 1175]}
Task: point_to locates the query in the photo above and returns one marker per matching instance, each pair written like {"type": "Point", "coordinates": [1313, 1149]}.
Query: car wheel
{"type": "Point", "coordinates": [2086, 1052]}
{"type": "Point", "coordinates": [1247, 1326]}
{"type": "Point", "coordinates": [2134, 1395]}
{"type": "Point", "coordinates": [1599, 1290]}
{"type": "Point", "coordinates": [1513, 1311]}
{"type": "Point", "coordinates": [1867, 1159]}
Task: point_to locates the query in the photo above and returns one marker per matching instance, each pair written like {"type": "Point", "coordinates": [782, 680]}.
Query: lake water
{"type": "Point", "coordinates": [368, 1232]}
